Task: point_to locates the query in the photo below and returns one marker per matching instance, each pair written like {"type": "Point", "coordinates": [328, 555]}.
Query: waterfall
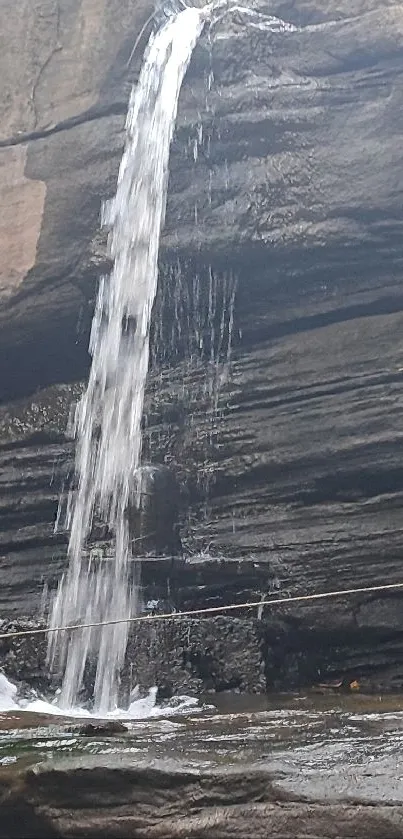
{"type": "Point", "coordinates": [107, 423]}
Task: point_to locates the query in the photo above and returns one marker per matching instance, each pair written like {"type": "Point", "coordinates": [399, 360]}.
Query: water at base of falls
{"type": "Point", "coordinates": [108, 418]}
{"type": "Point", "coordinates": [139, 707]}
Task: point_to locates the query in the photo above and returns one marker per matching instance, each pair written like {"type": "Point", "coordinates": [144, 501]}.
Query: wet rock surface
{"type": "Point", "coordinates": [103, 729]}
{"type": "Point", "coordinates": [286, 176]}
{"type": "Point", "coordinates": [295, 770]}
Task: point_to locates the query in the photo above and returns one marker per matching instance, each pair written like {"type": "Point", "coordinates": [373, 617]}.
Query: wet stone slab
{"type": "Point", "coordinates": [295, 768]}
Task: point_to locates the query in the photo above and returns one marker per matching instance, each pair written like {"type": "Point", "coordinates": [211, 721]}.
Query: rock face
{"type": "Point", "coordinates": [119, 798]}
{"type": "Point", "coordinates": [286, 181]}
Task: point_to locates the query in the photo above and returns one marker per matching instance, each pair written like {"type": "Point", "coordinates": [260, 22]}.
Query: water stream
{"type": "Point", "coordinates": [107, 423]}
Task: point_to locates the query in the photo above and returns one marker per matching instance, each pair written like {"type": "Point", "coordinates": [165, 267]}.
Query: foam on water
{"type": "Point", "coordinates": [140, 708]}
{"type": "Point", "coordinates": [8, 695]}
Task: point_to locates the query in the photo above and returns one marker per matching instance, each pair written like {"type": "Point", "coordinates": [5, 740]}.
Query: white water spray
{"type": "Point", "coordinates": [108, 418]}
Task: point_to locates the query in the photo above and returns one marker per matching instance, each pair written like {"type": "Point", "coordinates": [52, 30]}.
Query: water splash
{"type": "Point", "coordinates": [140, 707]}
{"type": "Point", "coordinates": [107, 422]}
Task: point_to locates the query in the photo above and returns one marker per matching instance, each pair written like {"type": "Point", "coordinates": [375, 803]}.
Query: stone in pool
{"type": "Point", "coordinates": [104, 729]}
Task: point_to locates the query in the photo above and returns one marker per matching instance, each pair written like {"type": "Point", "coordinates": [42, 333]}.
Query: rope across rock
{"type": "Point", "coordinates": [210, 610]}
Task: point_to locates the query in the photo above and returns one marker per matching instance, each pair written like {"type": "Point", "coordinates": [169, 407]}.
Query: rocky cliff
{"type": "Point", "coordinates": [286, 183]}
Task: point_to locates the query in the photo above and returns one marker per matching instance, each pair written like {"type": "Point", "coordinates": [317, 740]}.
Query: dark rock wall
{"type": "Point", "coordinates": [295, 194]}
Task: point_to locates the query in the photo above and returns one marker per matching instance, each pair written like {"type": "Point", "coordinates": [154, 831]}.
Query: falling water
{"type": "Point", "coordinates": [107, 423]}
